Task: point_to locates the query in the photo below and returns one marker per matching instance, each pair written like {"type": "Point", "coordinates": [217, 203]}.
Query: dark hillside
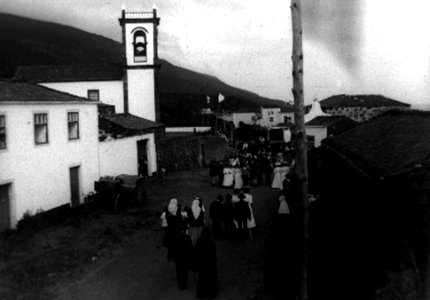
{"type": "Point", "coordinates": [26, 41]}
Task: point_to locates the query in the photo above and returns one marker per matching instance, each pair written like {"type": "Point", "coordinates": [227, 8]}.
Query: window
{"type": "Point", "coordinates": [271, 119]}
{"type": "Point", "coordinates": [2, 132]}
{"type": "Point", "coordinates": [73, 125]}
{"type": "Point", "coordinates": [94, 95]}
{"type": "Point", "coordinates": [41, 128]}
{"type": "Point", "coordinates": [287, 119]}
{"type": "Point", "coordinates": [139, 46]}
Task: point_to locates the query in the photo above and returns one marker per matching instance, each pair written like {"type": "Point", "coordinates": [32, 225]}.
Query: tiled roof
{"type": "Point", "coordinates": [129, 121]}
{"type": "Point", "coordinates": [257, 109]}
{"type": "Point", "coordinates": [328, 120]}
{"type": "Point", "coordinates": [247, 110]}
{"type": "Point", "coordinates": [391, 144]}
{"type": "Point", "coordinates": [285, 107]}
{"type": "Point", "coordinates": [360, 101]}
{"type": "Point", "coordinates": [67, 73]}
{"type": "Point", "coordinates": [26, 92]}
{"type": "Point", "coordinates": [126, 124]}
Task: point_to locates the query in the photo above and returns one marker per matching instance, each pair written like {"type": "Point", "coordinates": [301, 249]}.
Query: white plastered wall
{"type": "Point", "coordinates": [141, 94]}
{"type": "Point", "coordinates": [246, 118]}
{"type": "Point", "coordinates": [319, 133]}
{"type": "Point", "coordinates": [111, 92]}
{"type": "Point", "coordinates": [119, 156]}
{"type": "Point", "coordinates": [39, 174]}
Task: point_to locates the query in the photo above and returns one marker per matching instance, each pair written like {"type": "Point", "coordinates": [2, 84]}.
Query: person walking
{"type": "Point", "coordinates": [235, 197]}
{"type": "Point", "coordinates": [215, 214]}
{"type": "Point", "coordinates": [237, 174]}
{"type": "Point", "coordinates": [228, 177]}
{"type": "Point", "coordinates": [242, 215]}
{"type": "Point", "coordinates": [228, 217]}
{"type": "Point", "coordinates": [206, 266]}
{"type": "Point", "coordinates": [213, 171]}
{"type": "Point", "coordinates": [267, 168]}
{"type": "Point", "coordinates": [249, 199]}
{"type": "Point", "coordinates": [246, 173]}
{"type": "Point", "coordinates": [182, 250]}
{"type": "Point", "coordinates": [283, 209]}
{"type": "Point", "coordinates": [173, 222]}
{"type": "Point", "coordinates": [196, 219]}
{"type": "Point", "coordinates": [220, 171]}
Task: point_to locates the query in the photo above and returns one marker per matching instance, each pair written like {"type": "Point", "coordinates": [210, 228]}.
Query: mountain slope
{"type": "Point", "coordinates": [26, 41]}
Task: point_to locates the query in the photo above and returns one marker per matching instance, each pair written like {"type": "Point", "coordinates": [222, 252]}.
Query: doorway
{"type": "Point", "coordinates": [142, 158]}
{"type": "Point", "coordinates": [4, 207]}
{"type": "Point", "coordinates": [74, 186]}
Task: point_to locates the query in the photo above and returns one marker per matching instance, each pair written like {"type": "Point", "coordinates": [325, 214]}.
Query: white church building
{"type": "Point", "coordinates": [63, 127]}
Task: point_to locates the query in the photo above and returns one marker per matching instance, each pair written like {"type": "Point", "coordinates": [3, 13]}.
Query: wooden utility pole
{"type": "Point", "coordinates": [301, 151]}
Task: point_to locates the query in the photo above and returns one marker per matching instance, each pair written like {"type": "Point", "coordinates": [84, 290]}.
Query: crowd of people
{"type": "Point", "coordinates": [190, 246]}
{"type": "Point", "coordinates": [188, 240]}
{"type": "Point", "coordinates": [254, 164]}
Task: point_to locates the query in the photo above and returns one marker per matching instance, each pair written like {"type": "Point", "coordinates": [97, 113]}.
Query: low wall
{"type": "Point", "coordinates": [183, 153]}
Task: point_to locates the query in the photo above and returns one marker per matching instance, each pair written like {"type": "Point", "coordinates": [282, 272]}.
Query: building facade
{"type": "Point", "coordinates": [56, 135]}
{"type": "Point", "coordinates": [49, 150]}
{"type": "Point", "coordinates": [264, 116]}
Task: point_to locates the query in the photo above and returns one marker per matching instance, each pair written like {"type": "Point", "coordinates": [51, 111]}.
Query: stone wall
{"type": "Point", "coordinates": [184, 153]}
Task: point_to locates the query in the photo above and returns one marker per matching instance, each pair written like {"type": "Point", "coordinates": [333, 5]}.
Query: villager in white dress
{"type": "Point", "coordinates": [279, 175]}
{"type": "Point", "coordinates": [249, 200]}
{"type": "Point", "coordinates": [238, 182]}
{"type": "Point", "coordinates": [228, 177]}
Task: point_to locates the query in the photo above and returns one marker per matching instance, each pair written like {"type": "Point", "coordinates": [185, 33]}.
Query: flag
{"type": "Point", "coordinates": [220, 98]}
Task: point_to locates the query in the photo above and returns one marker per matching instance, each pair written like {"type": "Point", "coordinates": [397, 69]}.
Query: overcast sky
{"type": "Point", "coordinates": [350, 46]}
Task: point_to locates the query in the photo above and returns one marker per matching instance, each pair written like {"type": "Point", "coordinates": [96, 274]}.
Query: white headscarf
{"type": "Point", "coordinates": [283, 206]}
{"type": "Point", "coordinates": [196, 208]}
{"type": "Point", "coordinates": [173, 206]}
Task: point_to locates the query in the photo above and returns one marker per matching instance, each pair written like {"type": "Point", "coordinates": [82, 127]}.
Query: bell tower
{"type": "Point", "coordinates": [140, 63]}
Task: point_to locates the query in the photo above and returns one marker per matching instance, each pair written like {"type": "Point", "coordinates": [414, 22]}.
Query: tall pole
{"type": "Point", "coordinates": [301, 151]}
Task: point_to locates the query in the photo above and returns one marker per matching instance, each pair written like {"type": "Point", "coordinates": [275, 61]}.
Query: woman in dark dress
{"type": "Point", "coordinates": [182, 250]}
{"type": "Point", "coordinates": [228, 217]}
{"type": "Point", "coordinates": [195, 219]}
{"type": "Point", "coordinates": [206, 266]}
{"type": "Point", "coordinates": [173, 216]}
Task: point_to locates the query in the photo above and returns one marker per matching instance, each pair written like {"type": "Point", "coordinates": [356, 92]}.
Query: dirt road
{"type": "Point", "coordinates": [138, 269]}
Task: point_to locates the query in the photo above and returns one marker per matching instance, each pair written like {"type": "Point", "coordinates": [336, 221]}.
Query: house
{"type": "Point", "coordinates": [124, 141]}
{"type": "Point", "coordinates": [374, 199]}
{"type": "Point", "coordinates": [63, 127]}
{"type": "Point", "coordinates": [264, 116]}
{"type": "Point", "coordinates": [321, 127]}
{"type": "Point", "coordinates": [360, 108]}
{"type": "Point", "coordinates": [129, 88]}
{"type": "Point", "coordinates": [392, 144]}
{"type": "Point", "coordinates": [49, 150]}
{"type": "Point", "coordinates": [246, 115]}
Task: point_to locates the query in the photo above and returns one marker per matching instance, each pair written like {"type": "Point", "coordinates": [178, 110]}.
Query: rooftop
{"type": "Point", "coordinates": [20, 92]}
{"type": "Point", "coordinates": [328, 120]}
{"type": "Point", "coordinates": [67, 73]}
{"type": "Point", "coordinates": [126, 124]}
{"type": "Point", "coordinates": [247, 110]}
{"type": "Point", "coordinates": [257, 109]}
{"type": "Point", "coordinates": [388, 145]}
{"type": "Point", "coordinates": [360, 101]}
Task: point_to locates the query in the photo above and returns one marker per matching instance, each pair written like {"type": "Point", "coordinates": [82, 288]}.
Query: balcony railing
{"type": "Point", "coordinates": [139, 15]}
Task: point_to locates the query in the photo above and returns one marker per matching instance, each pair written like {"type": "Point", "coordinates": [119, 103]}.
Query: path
{"type": "Point", "coordinates": [140, 270]}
